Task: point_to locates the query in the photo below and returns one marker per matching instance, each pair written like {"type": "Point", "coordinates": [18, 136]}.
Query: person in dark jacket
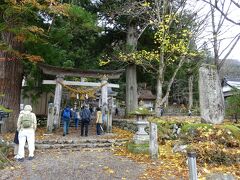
{"type": "Point", "coordinates": [16, 144]}
{"type": "Point", "coordinates": [116, 111]}
{"type": "Point", "coordinates": [85, 116]}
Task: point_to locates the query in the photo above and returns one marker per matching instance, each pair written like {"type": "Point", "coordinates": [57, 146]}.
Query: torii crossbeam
{"type": "Point", "coordinates": [75, 83]}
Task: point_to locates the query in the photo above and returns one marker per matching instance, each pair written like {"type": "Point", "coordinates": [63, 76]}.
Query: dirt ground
{"type": "Point", "coordinates": [85, 164]}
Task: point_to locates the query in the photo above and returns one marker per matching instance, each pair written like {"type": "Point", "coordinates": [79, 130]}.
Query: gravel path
{"type": "Point", "coordinates": [86, 164]}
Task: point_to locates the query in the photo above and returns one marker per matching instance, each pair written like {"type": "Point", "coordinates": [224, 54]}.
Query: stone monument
{"type": "Point", "coordinates": [210, 95]}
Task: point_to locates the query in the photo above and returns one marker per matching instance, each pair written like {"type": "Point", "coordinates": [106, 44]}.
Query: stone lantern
{"type": "Point", "coordinates": [142, 113]}
{"type": "Point", "coordinates": [3, 118]}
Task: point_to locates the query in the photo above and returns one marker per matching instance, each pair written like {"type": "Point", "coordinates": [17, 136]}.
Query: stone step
{"type": "Point", "coordinates": [81, 143]}
{"type": "Point", "coordinates": [74, 146]}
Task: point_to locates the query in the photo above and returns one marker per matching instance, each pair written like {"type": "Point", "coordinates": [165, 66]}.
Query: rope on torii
{"type": "Point", "coordinates": [89, 92]}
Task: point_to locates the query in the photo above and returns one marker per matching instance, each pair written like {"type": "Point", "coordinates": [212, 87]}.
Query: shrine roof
{"type": "Point", "coordinates": [145, 94]}
{"type": "Point", "coordinates": [74, 72]}
{"type": "Point", "coordinates": [230, 83]}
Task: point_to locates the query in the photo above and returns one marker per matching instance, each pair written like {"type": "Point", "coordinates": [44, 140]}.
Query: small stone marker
{"type": "Point", "coordinates": [220, 176]}
{"type": "Point", "coordinates": [192, 165]}
{"type": "Point", "coordinates": [50, 117]}
{"type": "Point", "coordinates": [153, 144]}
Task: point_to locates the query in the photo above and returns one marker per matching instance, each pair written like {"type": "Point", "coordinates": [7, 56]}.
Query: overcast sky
{"type": "Point", "coordinates": [229, 29]}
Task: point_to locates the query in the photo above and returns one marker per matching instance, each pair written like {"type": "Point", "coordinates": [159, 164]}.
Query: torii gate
{"type": "Point", "coordinates": [60, 73]}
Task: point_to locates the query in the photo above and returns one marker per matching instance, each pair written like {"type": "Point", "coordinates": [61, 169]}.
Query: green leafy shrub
{"type": "Point", "coordinates": [233, 105]}
{"type": "Point", "coordinates": [4, 151]}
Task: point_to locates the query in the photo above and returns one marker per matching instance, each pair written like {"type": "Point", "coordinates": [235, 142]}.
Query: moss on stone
{"type": "Point", "coordinates": [138, 148]}
{"type": "Point", "coordinates": [234, 130]}
{"type": "Point", "coordinates": [142, 111]}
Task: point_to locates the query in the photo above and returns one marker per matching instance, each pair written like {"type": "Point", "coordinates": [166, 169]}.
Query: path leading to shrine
{"type": "Point", "coordinates": [86, 164]}
{"type": "Point", "coordinates": [75, 158]}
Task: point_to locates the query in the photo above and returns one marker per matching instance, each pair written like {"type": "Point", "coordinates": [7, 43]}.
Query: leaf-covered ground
{"type": "Point", "coordinates": [217, 149]}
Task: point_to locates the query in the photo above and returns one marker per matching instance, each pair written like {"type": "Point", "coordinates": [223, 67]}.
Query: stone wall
{"type": "Point", "coordinates": [126, 124]}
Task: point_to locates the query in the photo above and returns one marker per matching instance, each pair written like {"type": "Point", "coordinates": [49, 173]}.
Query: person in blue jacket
{"type": "Point", "coordinates": [66, 116]}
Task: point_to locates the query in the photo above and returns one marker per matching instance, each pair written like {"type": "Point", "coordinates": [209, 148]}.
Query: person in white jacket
{"type": "Point", "coordinates": [26, 126]}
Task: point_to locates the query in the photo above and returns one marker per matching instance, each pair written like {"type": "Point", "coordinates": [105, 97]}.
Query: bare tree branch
{"type": "Point", "coordinates": [235, 3]}
{"type": "Point", "coordinates": [215, 5]}
{"type": "Point", "coordinates": [229, 52]}
{"type": "Point", "coordinates": [172, 80]}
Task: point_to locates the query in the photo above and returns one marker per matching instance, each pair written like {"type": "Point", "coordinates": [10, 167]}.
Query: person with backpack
{"type": "Point", "coordinates": [85, 116]}
{"type": "Point", "coordinates": [66, 116]}
{"type": "Point", "coordinates": [26, 126]}
{"type": "Point", "coordinates": [76, 116]}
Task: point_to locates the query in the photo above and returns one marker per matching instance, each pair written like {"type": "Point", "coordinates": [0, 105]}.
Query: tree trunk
{"type": "Point", "coordinates": [210, 95]}
{"type": "Point", "coordinates": [131, 74]}
{"type": "Point", "coordinates": [160, 99]}
{"type": "Point", "coordinates": [190, 91]}
{"type": "Point", "coordinates": [159, 88]}
{"type": "Point", "coordinates": [131, 88]}
{"type": "Point", "coordinates": [11, 75]}
{"type": "Point", "coordinates": [172, 80]}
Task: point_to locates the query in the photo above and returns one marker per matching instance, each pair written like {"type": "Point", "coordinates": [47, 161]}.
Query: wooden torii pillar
{"type": "Point", "coordinates": [57, 101]}
{"type": "Point", "coordinates": [107, 120]}
{"type": "Point", "coordinates": [104, 90]}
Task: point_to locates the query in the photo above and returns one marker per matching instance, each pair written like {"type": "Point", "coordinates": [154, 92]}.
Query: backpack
{"type": "Point", "coordinates": [66, 113]}
{"type": "Point", "coordinates": [85, 115]}
{"type": "Point", "coordinates": [26, 120]}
